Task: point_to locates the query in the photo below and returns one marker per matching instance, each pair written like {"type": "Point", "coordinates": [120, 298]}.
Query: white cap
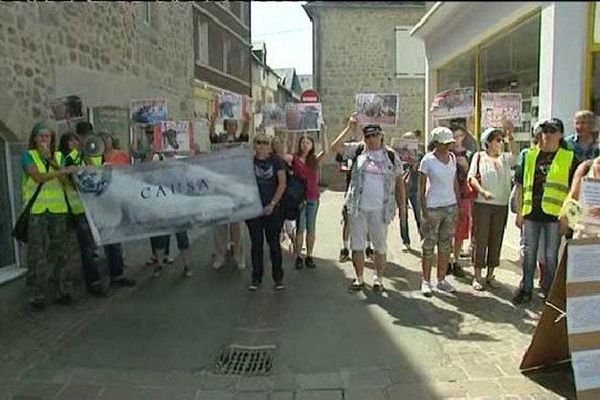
{"type": "Point", "coordinates": [442, 135]}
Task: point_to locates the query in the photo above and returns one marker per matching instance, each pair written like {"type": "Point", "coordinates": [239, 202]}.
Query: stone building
{"type": "Point", "coordinates": [110, 53]}
{"type": "Point", "coordinates": [265, 82]}
{"type": "Point", "coordinates": [363, 47]}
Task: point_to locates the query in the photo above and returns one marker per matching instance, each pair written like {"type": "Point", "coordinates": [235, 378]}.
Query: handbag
{"type": "Point", "coordinates": [22, 225]}
{"type": "Point", "coordinates": [472, 193]}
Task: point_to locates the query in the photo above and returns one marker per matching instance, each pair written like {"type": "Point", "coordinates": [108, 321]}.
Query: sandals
{"type": "Point", "coordinates": [490, 277]}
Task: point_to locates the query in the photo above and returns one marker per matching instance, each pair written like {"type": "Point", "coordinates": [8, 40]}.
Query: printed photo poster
{"type": "Point", "coordinates": [303, 116]}
{"type": "Point", "coordinates": [113, 120]}
{"type": "Point", "coordinates": [377, 108]}
{"type": "Point", "coordinates": [142, 142]}
{"type": "Point", "coordinates": [230, 106]}
{"type": "Point", "coordinates": [273, 115]}
{"type": "Point", "coordinates": [497, 106]}
{"type": "Point", "coordinates": [173, 137]}
{"type": "Point", "coordinates": [148, 111]}
{"type": "Point", "coordinates": [67, 111]}
{"type": "Point", "coordinates": [453, 103]}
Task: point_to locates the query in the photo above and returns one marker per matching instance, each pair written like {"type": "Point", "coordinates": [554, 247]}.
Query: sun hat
{"type": "Point", "coordinates": [442, 135]}
{"type": "Point", "coordinates": [371, 129]}
{"type": "Point", "coordinates": [486, 135]}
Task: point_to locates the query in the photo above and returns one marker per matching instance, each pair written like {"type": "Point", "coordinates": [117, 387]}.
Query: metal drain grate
{"type": "Point", "coordinates": [240, 360]}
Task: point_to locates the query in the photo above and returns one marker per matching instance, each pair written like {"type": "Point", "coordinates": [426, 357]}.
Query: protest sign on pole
{"type": "Point", "coordinates": [130, 202]}
{"type": "Point", "coordinates": [273, 115]}
{"type": "Point", "coordinates": [497, 106]}
{"type": "Point", "coordinates": [377, 108]}
{"type": "Point", "coordinates": [303, 116]}
{"type": "Point", "coordinates": [173, 136]}
{"type": "Point", "coordinates": [453, 103]}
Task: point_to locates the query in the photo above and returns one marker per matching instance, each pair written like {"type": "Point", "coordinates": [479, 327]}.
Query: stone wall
{"type": "Point", "coordinates": [106, 51]}
{"type": "Point", "coordinates": [356, 54]}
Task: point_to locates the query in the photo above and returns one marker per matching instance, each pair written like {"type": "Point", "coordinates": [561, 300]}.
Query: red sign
{"type": "Point", "coordinates": [309, 96]}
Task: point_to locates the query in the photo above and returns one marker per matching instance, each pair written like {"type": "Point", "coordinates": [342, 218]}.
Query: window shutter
{"type": "Point", "coordinates": [410, 54]}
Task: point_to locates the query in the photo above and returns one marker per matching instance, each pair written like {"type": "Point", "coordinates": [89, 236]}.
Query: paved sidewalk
{"type": "Point", "coordinates": [161, 339]}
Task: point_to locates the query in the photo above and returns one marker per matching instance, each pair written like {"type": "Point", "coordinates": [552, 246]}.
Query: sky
{"type": "Point", "coordinates": [287, 32]}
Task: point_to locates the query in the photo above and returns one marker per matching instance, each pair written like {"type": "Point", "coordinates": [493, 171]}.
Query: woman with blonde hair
{"type": "Point", "coordinates": [270, 177]}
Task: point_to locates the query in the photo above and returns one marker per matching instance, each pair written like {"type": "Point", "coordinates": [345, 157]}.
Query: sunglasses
{"type": "Point", "coordinates": [265, 142]}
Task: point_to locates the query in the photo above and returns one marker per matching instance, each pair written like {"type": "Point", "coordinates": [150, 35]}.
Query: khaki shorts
{"type": "Point", "coordinates": [371, 223]}
{"type": "Point", "coordinates": [438, 230]}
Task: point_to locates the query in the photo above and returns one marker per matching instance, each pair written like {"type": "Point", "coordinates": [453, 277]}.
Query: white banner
{"type": "Point", "coordinates": [130, 202]}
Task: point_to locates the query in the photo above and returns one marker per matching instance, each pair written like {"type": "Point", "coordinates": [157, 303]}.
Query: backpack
{"type": "Point", "coordinates": [361, 148]}
{"type": "Point", "coordinates": [294, 197]}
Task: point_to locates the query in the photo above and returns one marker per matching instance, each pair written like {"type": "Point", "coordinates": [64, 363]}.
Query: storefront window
{"type": "Point", "coordinates": [595, 101]}
{"type": "Point", "coordinates": [510, 64]}
{"type": "Point", "coordinates": [458, 74]}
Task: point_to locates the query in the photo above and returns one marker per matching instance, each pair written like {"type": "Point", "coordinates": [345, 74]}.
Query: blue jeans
{"type": "Point", "coordinates": [308, 217]}
{"type": "Point", "coordinates": [530, 243]}
{"type": "Point", "coordinates": [416, 207]}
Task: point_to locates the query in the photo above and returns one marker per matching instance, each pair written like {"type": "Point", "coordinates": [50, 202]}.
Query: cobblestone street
{"type": "Point", "coordinates": [161, 339]}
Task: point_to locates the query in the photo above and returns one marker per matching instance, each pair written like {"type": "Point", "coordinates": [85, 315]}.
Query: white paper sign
{"type": "Point", "coordinates": [586, 368]}
{"type": "Point", "coordinates": [583, 263]}
{"type": "Point", "coordinates": [583, 314]}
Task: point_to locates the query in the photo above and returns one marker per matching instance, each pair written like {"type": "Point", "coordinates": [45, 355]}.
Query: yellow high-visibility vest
{"type": "Point", "coordinates": [556, 187]}
{"type": "Point", "coordinates": [74, 200]}
{"type": "Point", "coordinates": [51, 197]}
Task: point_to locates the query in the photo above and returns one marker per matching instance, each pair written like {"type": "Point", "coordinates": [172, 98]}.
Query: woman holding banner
{"type": "Point", "coordinates": [270, 177]}
{"type": "Point", "coordinates": [230, 234]}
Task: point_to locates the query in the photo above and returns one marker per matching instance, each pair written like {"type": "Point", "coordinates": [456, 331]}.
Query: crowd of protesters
{"type": "Point", "coordinates": [457, 192]}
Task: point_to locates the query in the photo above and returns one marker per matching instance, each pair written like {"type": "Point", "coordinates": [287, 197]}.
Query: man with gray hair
{"type": "Point", "coordinates": [584, 142]}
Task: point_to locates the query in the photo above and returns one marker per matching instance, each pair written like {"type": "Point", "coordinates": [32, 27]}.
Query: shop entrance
{"type": "Point", "coordinates": [7, 250]}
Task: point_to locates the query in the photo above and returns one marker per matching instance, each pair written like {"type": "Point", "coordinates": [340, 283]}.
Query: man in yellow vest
{"type": "Point", "coordinates": [545, 174]}
{"type": "Point", "coordinates": [46, 255]}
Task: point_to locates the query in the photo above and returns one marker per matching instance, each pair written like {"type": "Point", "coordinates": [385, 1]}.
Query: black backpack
{"type": "Point", "coordinates": [294, 197]}
{"type": "Point", "coordinates": [361, 148]}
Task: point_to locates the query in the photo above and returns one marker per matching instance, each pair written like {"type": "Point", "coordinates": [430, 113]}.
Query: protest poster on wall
{"type": "Point", "coordinates": [273, 115]}
{"type": "Point", "coordinates": [148, 111]}
{"type": "Point", "coordinates": [131, 202]}
{"type": "Point", "coordinates": [201, 131]}
{"type": "Point", "coordinates": [453, 103]}
{"type": "Point", "coordinates": [142, 141]}
{"type": "Point", "coordinates": [303, 116]}
{"type": "Point", "coordinates": [377, 108]}
{"type": "Point", "coordinates": [230, 106]}
{"type": "Point", "coordinates": [173, 136]}
{"type": "Point", "coordinates": [495, 107]}
{"type": "Point", "coordinates": [113, 120]}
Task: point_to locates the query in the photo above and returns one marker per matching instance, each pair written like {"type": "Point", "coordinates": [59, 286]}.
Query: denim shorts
{"type": "Point", "coordinates": [308, 217]}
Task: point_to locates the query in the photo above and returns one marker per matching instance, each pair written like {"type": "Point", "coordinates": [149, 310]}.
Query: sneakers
{"type": "Point", "coordinates": [279, 286]}
{"type": "Point", "coordinates": [218, 262]}
{"type": "Point", "coordinates": [299, 263]}
{"type": "Point", "coordinates": [344, 255]}
{"type": "Point", "coordinates": [406, 248]}
{"type": "Point", "coordinates": [157, 271]}
{"type": "Point", "coordinates": [369, 253]}
{"type": "Point", "coordinates": [521, 297]}
{"type": "Point", "coordinates": [310, 263]}
{"type": "Point", "coordinates": [254, 286]}
{"type": "Point", "coordinates": [187, 272]}
{"type": "Point", "coordinates": [356, 286]}
{"type": "Point", "coordinates": [241, 263]}
{"type": "Point", "coordinates": [168, 260]}
{"type": "Point", "coordinates": [444, 286]}
{"type": "Point", "coordinates": [426, 288]}
{"type": "Point", "coordinates": [377, 285]}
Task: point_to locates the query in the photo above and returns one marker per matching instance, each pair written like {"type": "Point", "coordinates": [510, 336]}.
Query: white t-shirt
{"type": "Point", "coordinates": [371, 198]}
{"type": "Point", "coordinates": [440, 180]}
{"type": "Point", "coordinates": [495, 176]}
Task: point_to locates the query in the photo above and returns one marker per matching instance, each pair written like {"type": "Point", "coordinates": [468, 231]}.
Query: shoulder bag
{"type": "Point", "coordinates": [22, 225]}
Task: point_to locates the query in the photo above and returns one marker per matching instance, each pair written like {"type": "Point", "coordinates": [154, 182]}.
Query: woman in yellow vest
{"type": "Point", "coordinates": [47, 222]}
{"type": "Point", "coordinates": [545, 175]}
